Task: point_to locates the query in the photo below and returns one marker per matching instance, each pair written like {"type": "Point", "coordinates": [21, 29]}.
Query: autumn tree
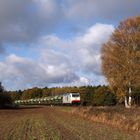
{"type": "Point", "coordinates": [15, 95]}
{"type": "Point", "coordinates": [32, 93]}
{"type": "Point", "coordinates": [121, 59]}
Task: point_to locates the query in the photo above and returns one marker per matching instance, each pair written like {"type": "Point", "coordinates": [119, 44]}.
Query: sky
{"type": "Point", "coordinates": [47, 43]}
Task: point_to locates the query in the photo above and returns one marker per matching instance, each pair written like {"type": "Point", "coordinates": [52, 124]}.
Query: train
{"type": "Point", "coordinates": [63, 99]}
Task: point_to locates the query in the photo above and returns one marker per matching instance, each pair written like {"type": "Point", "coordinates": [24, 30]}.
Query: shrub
{"type": "Point", "coordinates": [103, 98]}
{"type": "Point", "coordinates": [5, 100]}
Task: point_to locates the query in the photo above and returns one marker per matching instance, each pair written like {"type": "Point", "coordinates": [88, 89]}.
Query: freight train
{"type": "Point", "coordinates": [64, 99]}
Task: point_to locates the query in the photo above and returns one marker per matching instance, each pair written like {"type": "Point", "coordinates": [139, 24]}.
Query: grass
{"type": "Point", "coordinates": [128, 119]}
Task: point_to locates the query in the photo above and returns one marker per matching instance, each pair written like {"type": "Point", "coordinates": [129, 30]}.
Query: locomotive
{"type": "Point", "coordinates": [64, 99]}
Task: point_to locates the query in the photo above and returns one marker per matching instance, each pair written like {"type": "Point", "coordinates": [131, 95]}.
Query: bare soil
{"type": "Point", "coordinates": [53, 123]}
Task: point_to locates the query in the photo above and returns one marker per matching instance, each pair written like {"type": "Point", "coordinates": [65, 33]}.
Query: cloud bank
{"type": "Point", "coordinates": [107, 9]}
{"type": "Point", "coordinates": [25, 21]}
{"type": "Point", "coordinates": [60, 62]}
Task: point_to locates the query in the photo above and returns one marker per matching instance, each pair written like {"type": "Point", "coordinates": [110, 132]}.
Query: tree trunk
{"type": "Point", "coordinates": [130, 94]}
{"type": "Point", "coordinates": [128, 99]}
{"type": "Point", "coordinates": [126, 102]}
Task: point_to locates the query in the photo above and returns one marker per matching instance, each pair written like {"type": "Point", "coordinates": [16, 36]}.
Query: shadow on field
{"type": "Point", "coordinates": [29, 107]}
{"type": "Point", "coordinates": [19, 107]}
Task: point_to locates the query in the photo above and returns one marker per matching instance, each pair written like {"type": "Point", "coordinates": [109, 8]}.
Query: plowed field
{"type": "Point", "coordinates": [53, 123]}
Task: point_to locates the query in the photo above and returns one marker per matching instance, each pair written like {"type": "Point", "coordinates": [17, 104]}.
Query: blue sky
{"type": "Point", "coordinates": [57, 42]}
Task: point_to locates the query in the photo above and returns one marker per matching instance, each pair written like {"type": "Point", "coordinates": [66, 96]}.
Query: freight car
{"type": "Point", "coordinates": [64, 99]}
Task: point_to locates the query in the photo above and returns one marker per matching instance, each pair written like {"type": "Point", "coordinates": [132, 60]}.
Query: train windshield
{"type": "Point", "coordinates": [75, 95]}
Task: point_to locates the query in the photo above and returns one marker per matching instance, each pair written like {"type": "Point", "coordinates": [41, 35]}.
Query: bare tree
{"type": "Point", "coordinates": [121, 59]}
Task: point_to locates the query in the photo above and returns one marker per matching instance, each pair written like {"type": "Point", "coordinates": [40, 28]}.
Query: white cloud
{"type": "Point", "coordinates": [81, 54]}
{"type": "Point", "coordinates": [97, 34]}
{"type": "Point", "coordinates": [60, 62]}
{"type": "Point", "coordinates": [90, 45]}
{"type": "Point", "coordinates": [19, 73]}
{"type": "Point", "coordinates": [82, 81]}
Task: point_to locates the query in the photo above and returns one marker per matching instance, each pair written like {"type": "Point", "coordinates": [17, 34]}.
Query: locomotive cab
{"type": "Point", "coordinates": [75, 98]}
{"type": "Point", "coordinates": [71, 98]}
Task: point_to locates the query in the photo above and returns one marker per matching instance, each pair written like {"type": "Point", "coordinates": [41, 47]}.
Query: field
{"type": "Point", "coordinates": [56, 123]}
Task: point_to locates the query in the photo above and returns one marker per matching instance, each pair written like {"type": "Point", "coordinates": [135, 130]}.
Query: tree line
{"type": "Point", "coordinates": [90, 95]}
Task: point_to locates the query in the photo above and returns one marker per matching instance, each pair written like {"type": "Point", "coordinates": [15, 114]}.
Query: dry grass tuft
{"type": "Point", "coordinates": [128, 119]}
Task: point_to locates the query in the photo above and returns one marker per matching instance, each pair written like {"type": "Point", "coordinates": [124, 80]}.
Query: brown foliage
{"type": "Point", "coordinates": [121, 56]}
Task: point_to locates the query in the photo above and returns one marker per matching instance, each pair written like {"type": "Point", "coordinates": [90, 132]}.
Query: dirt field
{"type": "Point", "coordinates": [53, 123]}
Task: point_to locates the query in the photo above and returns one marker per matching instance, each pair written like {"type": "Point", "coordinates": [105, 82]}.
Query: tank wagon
{"type": "Point", "coordinates": [64, 99]}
